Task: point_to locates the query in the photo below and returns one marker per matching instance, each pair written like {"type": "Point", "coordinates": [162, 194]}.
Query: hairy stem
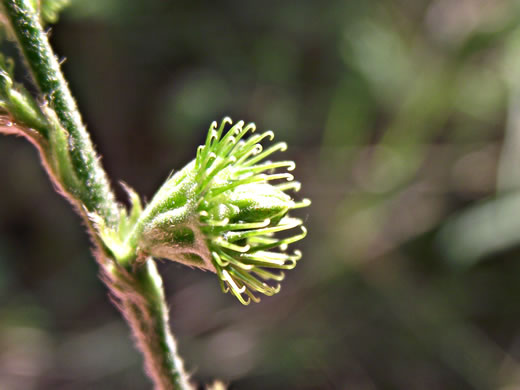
{"type": "Point", "coordinates": [138, 289]}
{"type": "Point", "coordinates": [95, 193]}
{"type": "Point", "coordinates": [140, 297]}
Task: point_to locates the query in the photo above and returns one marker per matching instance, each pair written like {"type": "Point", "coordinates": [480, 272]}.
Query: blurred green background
{"type": "Point", "coordinates": [404, 120]}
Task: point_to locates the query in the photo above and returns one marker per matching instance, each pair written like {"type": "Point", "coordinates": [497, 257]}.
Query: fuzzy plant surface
{"type": "Point", "coordinates": [227, 211]}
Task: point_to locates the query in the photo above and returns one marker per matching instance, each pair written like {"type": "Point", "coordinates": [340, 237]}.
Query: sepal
{"type": "Point", "coordinates": [116, 238]}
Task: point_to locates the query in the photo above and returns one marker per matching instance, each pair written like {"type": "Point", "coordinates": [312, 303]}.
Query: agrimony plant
{"type": "Point", "coordinates": [221, 212]}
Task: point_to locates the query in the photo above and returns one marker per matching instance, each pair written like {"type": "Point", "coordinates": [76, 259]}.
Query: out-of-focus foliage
{"type": "Point", "coordinates": [403, 119]}
{"type": "Point", "coordinates": [49, 9]}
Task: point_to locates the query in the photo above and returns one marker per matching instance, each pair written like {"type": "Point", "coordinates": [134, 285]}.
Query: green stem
{"type": "Point", "coordinates": [95, 194]}
{"type": "Point", "coordinates": [138, 289]}
{"type": "Point", "coordinates": [143, 305]}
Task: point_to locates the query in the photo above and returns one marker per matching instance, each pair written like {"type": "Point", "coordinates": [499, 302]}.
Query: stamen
{"type": "Point", "coordinates": [303, 203]}
{"type": "Point", "coordinates": [238, 294]}
{"type": "Point", "coordinates": [266, 275]}
{"type": "Point", "coordinates": [256, 139]}
{"type": "Point", "coordinates": [200, 150]}
{"type": "Point", "coordinates": [218, 260]}
{"type": "Point", "coordinates": [226, 120]}
{"type": "Point", "coordinates": [293, 185]}
{"type": "Point", "coordinates": [212, 135]}
{"type": "Point", "coordinates": [284, 224]}
{"type": "Point", "coordinates": [218, 168]}
{"type": "Point", "coordinates": [239, 145]}
{"type": "Point", "coordinates": [207, 160]}
{"type": "Point", "coordinates": [267, 166]}
{"type": "Point", "coordinates": [281, 146]}
{"type": "Point", "coordinates": [277, 176]}
{"type": "Point", "coordinates": [262, 240]}
{"type": "Point", "coordinates": [223, 286]}
{"type": "Point", "coordinates": [251, 152]}
{"type": "Point", "coordinates": [271, 259]}
{"type": "Point", "coordinates": [232, 283]}
{"type": "Point", "coordinates": [232, 260]}
{"type": "Point", "coordinates": [248, 180]}
{"type": "Point", "coordinates": [254, 283]}
{"type": "Point", "coordinates": [212, 222]}
{"type": "Point", "coordinates": [251, 295]}
{"type": "Point", "coordinates": [225, 244]}
{"type": "Point", "coordinates": [241, 299]}
{"type": "Point", "coordinates": [281, 243]}
{"type": "Point", "coordinates": [242, 226]}
{"type": "Point", "coordinates": [226, 148]}
{"type": "Point", "coordinates": [262, 261]}
{"type": "Point", "coordinates": [230, 135]}
{"type": "Point", "coordinates": [270, 133]}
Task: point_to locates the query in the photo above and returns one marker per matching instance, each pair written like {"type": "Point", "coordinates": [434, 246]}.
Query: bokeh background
{"type": "Point", "coordinates": [404, 120]}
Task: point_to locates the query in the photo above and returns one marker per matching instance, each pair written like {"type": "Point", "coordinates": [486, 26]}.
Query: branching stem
{"type": "Point", "coordinates": [138, 290]}
{"type": "Point", "coordinates": [24, 22]}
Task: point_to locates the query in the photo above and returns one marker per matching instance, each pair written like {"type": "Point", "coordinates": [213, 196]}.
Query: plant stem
{"type": "Point", "coordinates": [140, 297]}
{"type": "Point", "coordinates": [96, 195]}
{"type": "Point", "coordinates": [138, 289]}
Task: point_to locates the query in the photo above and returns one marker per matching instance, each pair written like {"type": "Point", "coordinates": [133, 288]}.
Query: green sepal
{"type": "Point", "coordinates": [116, 239]}
{"type": "Point", "coordinates": [168, 227]}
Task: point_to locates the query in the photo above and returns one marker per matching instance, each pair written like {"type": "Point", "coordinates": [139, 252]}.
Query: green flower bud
{"type": "Point", "coordinates": [250, 203]}
{"type": "Point", "coordinates": [222, 211]}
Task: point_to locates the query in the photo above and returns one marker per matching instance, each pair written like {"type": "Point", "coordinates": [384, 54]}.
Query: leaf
{"type": "Point", "coordinates": [50, 9]}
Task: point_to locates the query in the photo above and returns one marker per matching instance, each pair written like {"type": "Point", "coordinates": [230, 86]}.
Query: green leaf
{"type": "Point", "coordinates": [50, 9]}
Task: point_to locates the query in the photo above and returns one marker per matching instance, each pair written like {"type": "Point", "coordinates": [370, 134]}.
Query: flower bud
{"type": "Point", "coordinates": [222, 211]}
{"type": "Point", "coordinates": [250, 203]}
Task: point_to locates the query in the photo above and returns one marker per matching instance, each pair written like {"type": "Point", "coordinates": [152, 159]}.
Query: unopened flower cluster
{"type": "Point", "coordinates": [222, 213]}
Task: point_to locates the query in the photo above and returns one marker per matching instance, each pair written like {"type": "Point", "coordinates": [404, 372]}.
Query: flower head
{"type": "Point", "coordinates": [223, 210]}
